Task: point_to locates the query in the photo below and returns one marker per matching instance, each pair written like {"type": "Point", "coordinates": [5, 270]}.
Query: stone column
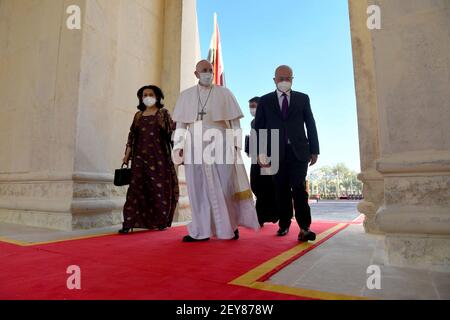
{"type": "Point", "coordinates": [367, 114]}
{"type": "Point", "coordinates": [39, 81]}
{"type": "Point", "coordinates": [122, 50]}
{"type": "Point", "coordinates": [67, 101]}
{"type": "Point", "coordinates": [412, 66]}
{"type": "Point", "coordinates": [181, 54]}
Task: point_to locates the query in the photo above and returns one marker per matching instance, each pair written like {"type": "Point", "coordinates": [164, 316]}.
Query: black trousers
{"type": "Point", "coordinates": [264, 190]}
{"type": "Point", "coordinates": [290, 183]}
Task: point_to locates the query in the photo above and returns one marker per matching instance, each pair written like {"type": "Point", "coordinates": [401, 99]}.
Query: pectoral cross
{"type": "Point", "coordinates": [201, 114]}
{"type": "Point", "coordinates": [201, 106]}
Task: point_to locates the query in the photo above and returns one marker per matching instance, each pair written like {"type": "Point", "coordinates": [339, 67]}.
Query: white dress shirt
{"type": "Point", "coordinates": [280, 100]}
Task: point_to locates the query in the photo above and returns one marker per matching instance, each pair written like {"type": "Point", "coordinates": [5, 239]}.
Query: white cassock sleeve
{"type": "Point", "coordinates": [235, 124]}
{"type": "Point", "coordinates": [179, 139]}
{"type": "Point", "coordinates": [179, 136]}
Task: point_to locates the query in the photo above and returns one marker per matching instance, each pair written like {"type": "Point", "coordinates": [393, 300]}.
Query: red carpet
{"type": "Point", "coordinates": [147, 265]}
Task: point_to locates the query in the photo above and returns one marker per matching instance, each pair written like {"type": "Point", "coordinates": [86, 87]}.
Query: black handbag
{"type": "Point", "coordinates": [122, 176]}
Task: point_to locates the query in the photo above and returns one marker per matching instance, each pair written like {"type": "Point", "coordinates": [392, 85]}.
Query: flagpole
{"type": "Point", "coordinates": [215, 35]}
{"type": "Point", "coordinates": [215, 54]}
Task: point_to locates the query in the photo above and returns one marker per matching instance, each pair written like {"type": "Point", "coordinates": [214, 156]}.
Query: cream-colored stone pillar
{"type": "Point", "coordinates": [190, 48]}
{"type": "Point", "coordinates": [373, 189]}
{"type": "Point", "coordinates": [39, 81]}
{"type": "Point", "coordinates": [178, 71]}
{"type": "Point", "coordinates": [122, 50]}
{"type": "Point", "coordinates": [412, 66]}
{"type": "Point", "coordinates": [67, 99]}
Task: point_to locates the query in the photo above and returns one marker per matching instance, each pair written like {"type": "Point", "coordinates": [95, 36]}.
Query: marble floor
{"type": "Point", "coordinates": [340, 265]}
{"type": "Point", "coordinates": [23, 235]}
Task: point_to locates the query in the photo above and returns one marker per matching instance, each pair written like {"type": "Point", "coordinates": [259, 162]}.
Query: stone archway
{"type": "Point", "coordinates": [61, 148]}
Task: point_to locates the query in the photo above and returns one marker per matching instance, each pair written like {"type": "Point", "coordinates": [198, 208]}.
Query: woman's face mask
{"type": "Point", "coordinates": [149, 101]}
{"type": "Point", "coordinates": [253, 111]}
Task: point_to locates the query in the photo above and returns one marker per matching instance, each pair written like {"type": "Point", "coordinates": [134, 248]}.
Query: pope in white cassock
{"type": "Point", "coordinates": [207, 140]}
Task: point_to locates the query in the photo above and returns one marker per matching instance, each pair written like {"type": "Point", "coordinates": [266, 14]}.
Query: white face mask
{"type": "Point", "coordinates": [284, 86]}
{"type": "Point", "coordinates": [149, 101]}
{"type": "Point", "coordinates": [206, 79]}
{"type": "Point", "coordinates": [253, 111]}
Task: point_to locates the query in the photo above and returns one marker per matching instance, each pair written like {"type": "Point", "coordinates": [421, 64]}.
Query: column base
{"type": "Point", "coordinates": [418, 251]}
{"type": "Point", "coordinates": [415, 215]}
{"type": "Point", "coordinates": [61, 201]}
{"type": "Point", "coordinates": [49, 220]}
{"type": "Point", "coordinates": [61, 220]}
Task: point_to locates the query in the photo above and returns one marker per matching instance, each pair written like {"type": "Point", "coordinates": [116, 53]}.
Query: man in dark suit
{"type": "Point", "coordinates": [289, 112]}
{"type": "Point", "coordinates": [262, 186]}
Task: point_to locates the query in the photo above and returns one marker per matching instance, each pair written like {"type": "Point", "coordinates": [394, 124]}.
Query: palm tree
{"type": "Point", "coordinates": [328, 180]}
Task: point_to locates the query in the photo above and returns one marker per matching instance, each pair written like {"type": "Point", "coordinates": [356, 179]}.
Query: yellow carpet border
{"type": "Point", "coordinates": [250, 278]}
{"type": "Point", "coordinates": [30, 244]}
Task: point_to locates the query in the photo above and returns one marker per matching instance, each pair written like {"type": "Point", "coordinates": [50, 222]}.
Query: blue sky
{"type": "Point", "coordinates": [313, 37]}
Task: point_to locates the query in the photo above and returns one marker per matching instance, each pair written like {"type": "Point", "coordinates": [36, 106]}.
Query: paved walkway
{"type": "Point", "coordinates": [23, 235]}
{"type": "Point", "coordinates": [344, 210]}
{"type": "Point", "coordinates": [340, 266]}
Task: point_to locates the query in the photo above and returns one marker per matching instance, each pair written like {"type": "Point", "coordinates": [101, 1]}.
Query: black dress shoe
{"type": "Point", "coordinates": [236, 234]}
{"type": "Point", "coordinates": [282, 232]}
{"type": "Point", "coordinates": [190, 239]}
{"type": "Point", "coordinates": [306, 235]}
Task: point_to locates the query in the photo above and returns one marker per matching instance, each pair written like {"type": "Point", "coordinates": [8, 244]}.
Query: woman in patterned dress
{"type": "Point", "coordinates": [153, 192]}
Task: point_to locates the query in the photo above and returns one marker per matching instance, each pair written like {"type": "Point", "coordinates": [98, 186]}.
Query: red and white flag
{"type": "Point", "coordinates": [215, 55]}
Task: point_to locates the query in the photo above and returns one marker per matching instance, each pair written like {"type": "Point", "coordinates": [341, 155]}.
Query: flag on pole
{"type": "Point", "coordinates": [215, 55]}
